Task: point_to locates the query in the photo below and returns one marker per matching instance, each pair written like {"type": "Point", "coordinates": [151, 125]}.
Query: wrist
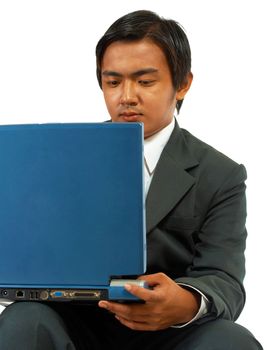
{"type": "Point", "coordinates": [192, 301]}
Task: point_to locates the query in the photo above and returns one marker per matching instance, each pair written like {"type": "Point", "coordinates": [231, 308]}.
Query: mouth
{"type": "Point", "coordinates": [130, 116]}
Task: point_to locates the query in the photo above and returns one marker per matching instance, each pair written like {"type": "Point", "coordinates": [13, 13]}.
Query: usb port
{"type": "Point", "coordinates": [34, 295]}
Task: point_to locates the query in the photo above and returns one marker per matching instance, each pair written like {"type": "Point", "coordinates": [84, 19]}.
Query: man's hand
{"type": "Point", "coordinates": [166, 304]}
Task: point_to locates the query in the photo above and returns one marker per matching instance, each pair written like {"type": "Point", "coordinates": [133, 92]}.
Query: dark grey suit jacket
{"type": "Point", "coordinates": [195, 216]}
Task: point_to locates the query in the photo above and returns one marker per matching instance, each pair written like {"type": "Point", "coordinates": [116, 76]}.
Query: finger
{"type": "Point", "coordinates": [148, 295]}
{"type": "Point", "coordinates": [132, 324]}
{"type": "Point", "coordinates": [154, 279]}
{"type": "Point", "coordinates": [134, 312]}
{"type": "Point", "coordinates": [115, 308]}
{"type": "Point", "coordinates": [138, 326]}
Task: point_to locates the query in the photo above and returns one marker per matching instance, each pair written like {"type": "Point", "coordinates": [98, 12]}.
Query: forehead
{"type": "Point", "coordinates": [134, 55]}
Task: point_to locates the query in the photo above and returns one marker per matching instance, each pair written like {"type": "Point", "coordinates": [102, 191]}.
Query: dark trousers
{"type": "Point", "coordinates": [61, 326]}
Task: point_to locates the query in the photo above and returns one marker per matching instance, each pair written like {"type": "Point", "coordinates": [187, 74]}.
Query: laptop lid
{"type": "Point", "coordinates": [71, 205]}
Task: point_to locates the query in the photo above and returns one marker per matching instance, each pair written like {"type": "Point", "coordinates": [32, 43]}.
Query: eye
{"type": "Point", "coordinates": [112, 83]}
{"type": "Point", "coordinates": [146, 82]}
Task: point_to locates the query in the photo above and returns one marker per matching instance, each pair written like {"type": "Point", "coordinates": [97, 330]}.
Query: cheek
{"type": "Point", "coordinates": [162, 99]}
{"type": "Point", "coordinates": [169, 104]}
{"type": "Point", "coordinates": [158, 108]}
{"type": "Point", "coordinates": [110, 100]}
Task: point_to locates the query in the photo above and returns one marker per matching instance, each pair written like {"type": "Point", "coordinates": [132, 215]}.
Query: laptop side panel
{"type": "Point", "coordinates": [115, 291]}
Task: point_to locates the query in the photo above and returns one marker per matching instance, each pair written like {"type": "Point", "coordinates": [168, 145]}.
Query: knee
{"type": "Point", "coordinates": [30, 325]}
{"type": "Point", "coordinates": [23, 319]}
{"type": "Point", "coordinates": [223, 335]}
{"type": "Point", "coordinates": [25, 314]}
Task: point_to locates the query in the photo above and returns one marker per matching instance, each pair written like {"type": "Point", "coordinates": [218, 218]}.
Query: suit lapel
{"type": "Point", "coordinates": [171, 180]}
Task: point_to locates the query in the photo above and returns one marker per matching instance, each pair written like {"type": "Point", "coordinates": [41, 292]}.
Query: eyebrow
{"type": "Point", "coordinates": [137, 73]}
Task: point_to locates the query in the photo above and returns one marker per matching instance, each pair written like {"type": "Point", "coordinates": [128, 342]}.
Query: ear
{"type": "Point", "coordinates": [184, 87]}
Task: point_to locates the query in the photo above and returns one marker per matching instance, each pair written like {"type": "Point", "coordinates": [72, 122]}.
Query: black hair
{"type": "Point", "coordinates": [165, 33]}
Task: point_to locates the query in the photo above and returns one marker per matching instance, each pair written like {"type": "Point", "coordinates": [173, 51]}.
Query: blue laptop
{"type": "Point", "coordinates": [72, 221]}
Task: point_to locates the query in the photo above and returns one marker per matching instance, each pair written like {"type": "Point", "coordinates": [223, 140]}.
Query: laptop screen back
{"type": "Point", "coordinates": [71, 204]}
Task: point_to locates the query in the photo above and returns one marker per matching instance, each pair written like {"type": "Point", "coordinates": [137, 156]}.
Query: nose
{"type": "Point", "coordinates": [129, 94]}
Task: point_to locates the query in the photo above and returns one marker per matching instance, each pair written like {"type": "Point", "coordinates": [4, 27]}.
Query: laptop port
{"type": "Point", "coordinates": [58, 294]}
{"type": "Point", "coordinates": [20, 294]}
{"type": "Point", "coordinates": [4, 293]}
{"type": "Point", "coordinates": [76, 294]}
{"type": "Point", "coordinates": [44, 295]}
{"type": "Point", "coordinates": [87, 295]}
{"type": "Point", "coordinates": [34, 295]}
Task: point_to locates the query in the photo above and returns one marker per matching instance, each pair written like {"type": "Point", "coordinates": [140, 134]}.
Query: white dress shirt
{"type": "Point", "coordinates": [153, 147]}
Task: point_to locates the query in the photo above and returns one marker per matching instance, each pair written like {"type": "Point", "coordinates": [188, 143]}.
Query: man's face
{"type": "Point", "coordinates": [137, 85]}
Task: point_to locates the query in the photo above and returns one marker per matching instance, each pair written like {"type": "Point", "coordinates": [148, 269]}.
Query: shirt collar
{"type": "Point", "coordinates": [154, 145]}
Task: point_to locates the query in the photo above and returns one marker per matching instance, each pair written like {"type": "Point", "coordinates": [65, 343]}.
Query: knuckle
{"type": "Point", "coordinates": [162, 276]}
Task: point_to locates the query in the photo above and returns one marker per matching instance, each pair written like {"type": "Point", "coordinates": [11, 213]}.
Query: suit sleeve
{"type": "Point", "coordinates": [218, 265]}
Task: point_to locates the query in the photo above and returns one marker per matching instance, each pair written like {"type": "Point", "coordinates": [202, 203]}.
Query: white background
{"type": "Point", "coordinates": [47, 74]}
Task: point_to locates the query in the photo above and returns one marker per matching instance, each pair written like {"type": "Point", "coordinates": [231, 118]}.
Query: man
{"type": "Point", "coordinates": [195, 216]}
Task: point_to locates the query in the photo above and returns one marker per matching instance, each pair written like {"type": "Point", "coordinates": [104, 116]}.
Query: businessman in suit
{"type": "Point", "coordinates": [195, 216]}
{"type": "Point", "coordinates": [196, 199]}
